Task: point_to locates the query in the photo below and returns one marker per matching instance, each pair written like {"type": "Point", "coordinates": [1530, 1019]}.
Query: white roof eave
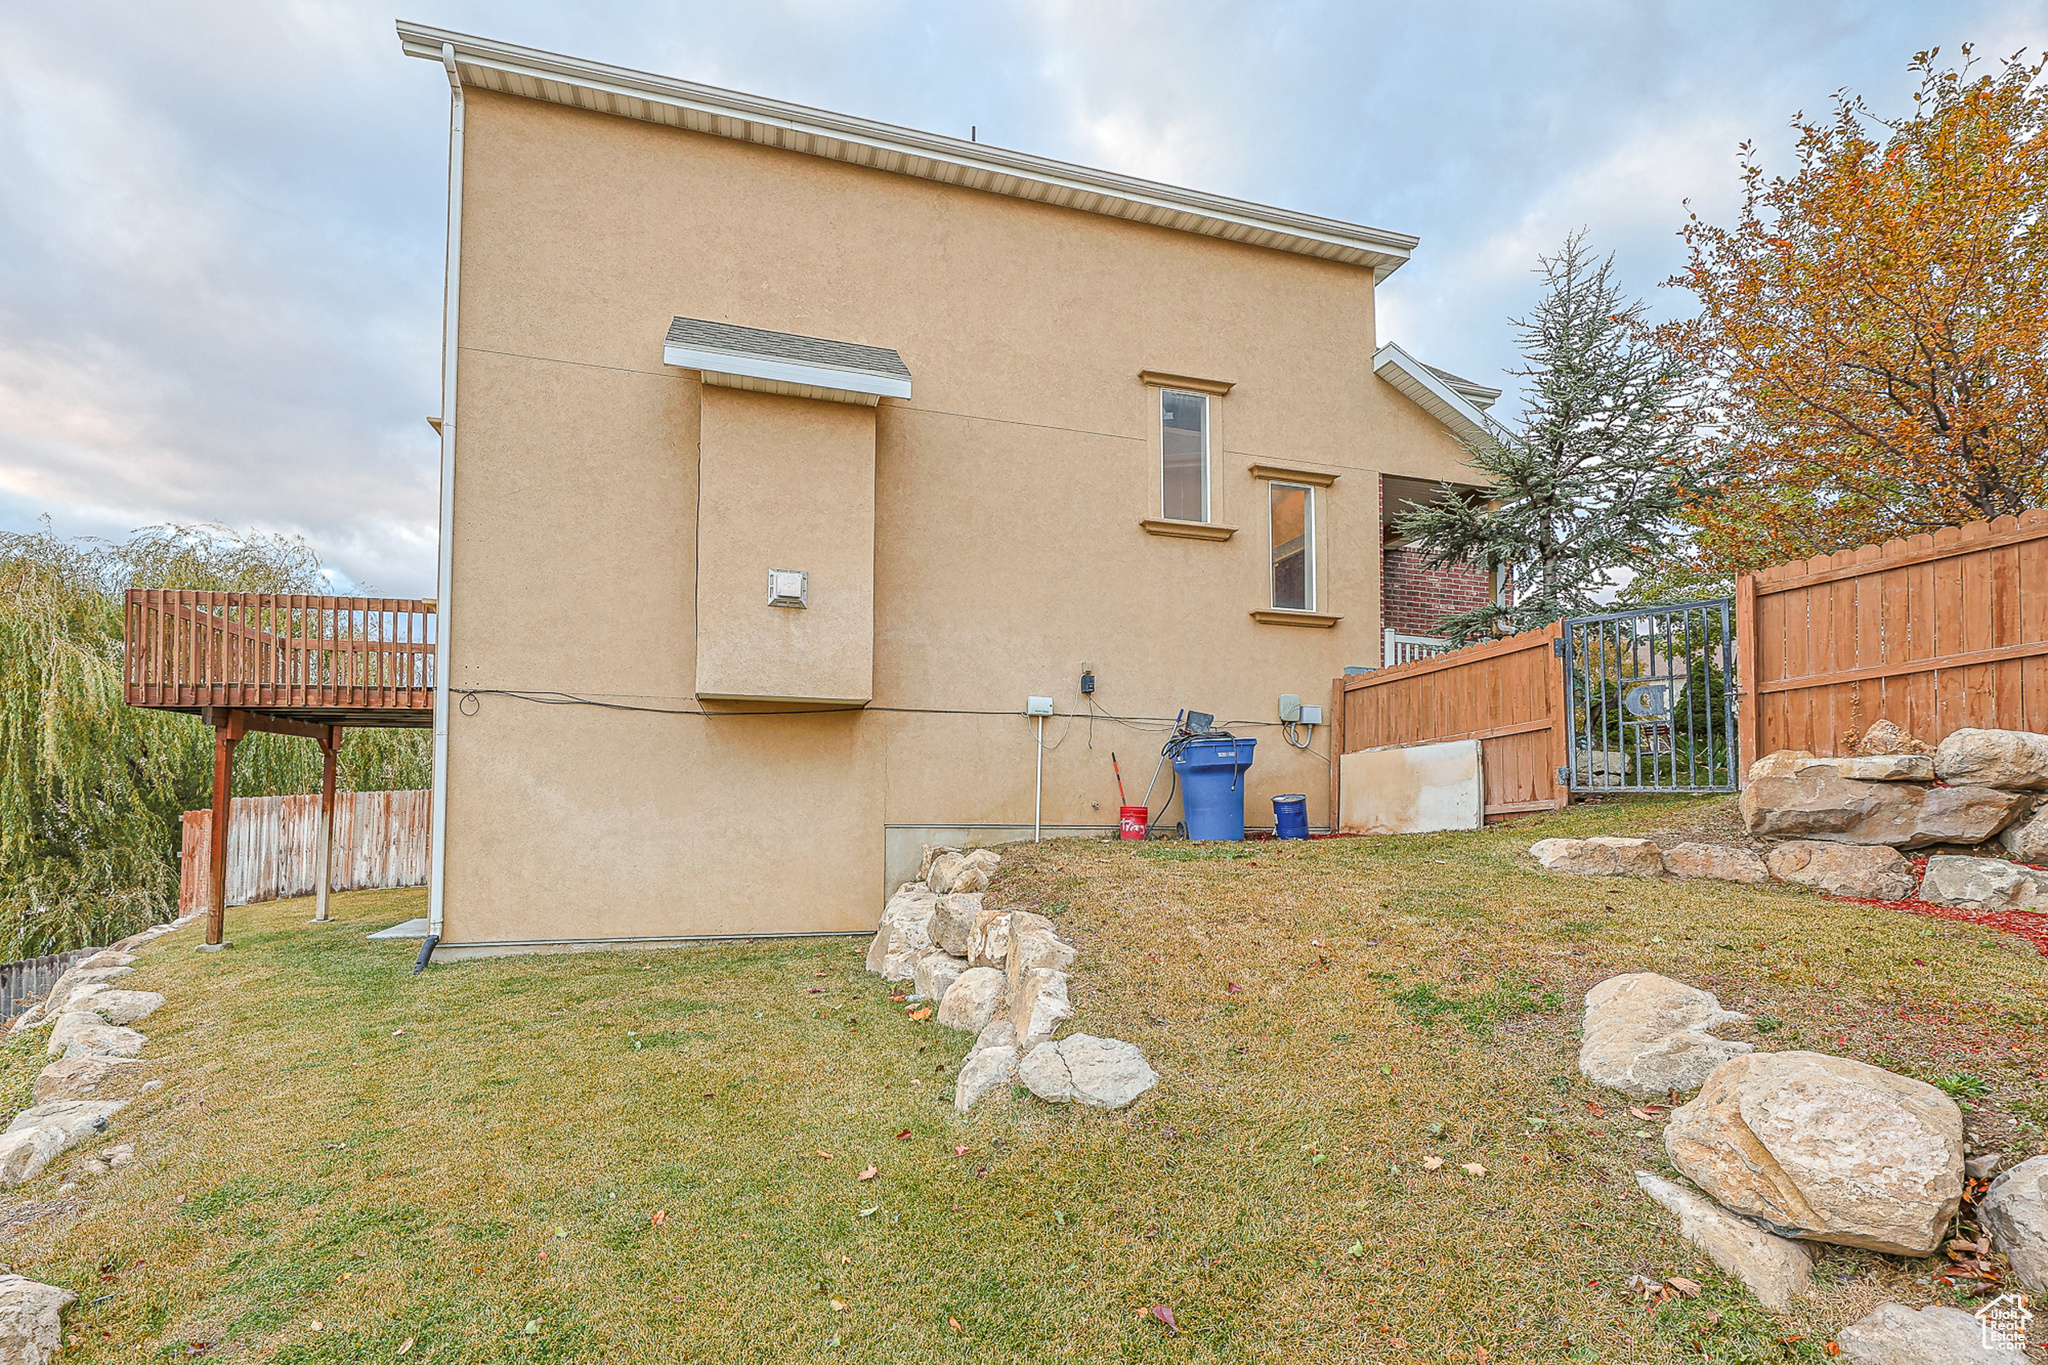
{"type": "Point", "coordinates": [1417, 383]}
{"type": "Point", "coordinates": [533, 74]}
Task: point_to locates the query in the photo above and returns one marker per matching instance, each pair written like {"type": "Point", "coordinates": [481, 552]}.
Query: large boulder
{"type": "Point", "coordinates": [935, 973]}
{"type": "Point", "coordinates": [953, 920]}
{"type": "Point", "coordinates": [1965, 815]}
{"type": "Point", "coordinates": [1983, 884]}
{"type": "Point", "coordinates": [122, 1007]}
{"type": "Point", "coordinates": [984, 1070]}
{"type": "Point", "coordinates": [1883, 737]}
{"type": "Point", "coordinates": [1863, 871]}
{"type": "Point", "coordinates": [952, 872]}
{"type": "Point", "coordinates": [74, 1078]}
{"type": "Point", "coordinates": [80, 1033]}
{"type": "Point", "coordinates": [37, 1136]}
{"type": "Point", "coordinates": [1886, 768]}
{"type": "Point", "coordinates": [1035, 943]}
{"type": "Point", "coordinates": [1791, 795]}
{"type": "Point", "coordinates": [2027, 840]}
{"type": "Point", "coordinates": [1716, 861]}
{"type": "Point", "coordinates": [1936, 1335]}
{"type": "Point", "coordinates": [1646, 1034]}
{"type": "Point", "coordinates": [31, 1320]}
{"type": "Point", "coordinates": [904, 934]}
{"type": "Point", "coordinates": [2014, 759]}
{"type": "Point", "coordinates": [2015, 1212]}
{"type": "Point", "coordinates": [974, 998]}
{"type": "Point", "coordinates": [1599, 857]}
{"type": "Point", "coordinates": [1776, 1270]}
{"type": "Point", "coordinates": [1104, 1072]}
{"type": "Point", "coordinates": [1825, 1149]}
{"type": "Point", "coordinates": [1038, 1002]}
{"type": "Point", "coordinates": [988, 939]}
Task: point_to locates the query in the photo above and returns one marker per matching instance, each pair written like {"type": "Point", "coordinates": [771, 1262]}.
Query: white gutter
{"type": "Point", "coordinates": [444, 579]}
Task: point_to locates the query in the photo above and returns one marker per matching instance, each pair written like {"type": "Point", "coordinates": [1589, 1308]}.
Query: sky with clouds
{"type": "Point", "coordinates": [221, 223]}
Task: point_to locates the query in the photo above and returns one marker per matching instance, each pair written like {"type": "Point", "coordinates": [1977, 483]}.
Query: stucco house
{"type": "Point", "coordinates": [786, 454]}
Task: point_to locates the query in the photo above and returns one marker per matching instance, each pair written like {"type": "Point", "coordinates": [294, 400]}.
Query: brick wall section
{"type": "Point", "coordinates": [1413, 598]}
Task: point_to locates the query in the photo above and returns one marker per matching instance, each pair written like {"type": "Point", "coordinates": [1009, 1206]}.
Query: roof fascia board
{"type": "Point", "coordinates": [929, 156]}
{"type": "Point", "coordinates": [785, 371]}
{"type": "Point", "coordinates": [1431, 394]}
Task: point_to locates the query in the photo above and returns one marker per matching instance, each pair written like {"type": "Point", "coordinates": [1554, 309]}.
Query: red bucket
{"type": "Point", "coordinates": [1132, 820]}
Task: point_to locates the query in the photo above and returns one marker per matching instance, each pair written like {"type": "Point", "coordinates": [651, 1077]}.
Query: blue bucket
{"type": "Point", "coordinates": [1290, 816]}
{"type": "Point", "coordinates": [1212, 786]}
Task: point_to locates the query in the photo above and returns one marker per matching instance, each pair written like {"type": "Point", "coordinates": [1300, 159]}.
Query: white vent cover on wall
{"type": "Point", "coordinates": [789, 588]}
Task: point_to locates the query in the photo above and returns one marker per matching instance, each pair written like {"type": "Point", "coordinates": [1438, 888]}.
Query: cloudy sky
{"type": "Point", "coordinates": [221, 223]}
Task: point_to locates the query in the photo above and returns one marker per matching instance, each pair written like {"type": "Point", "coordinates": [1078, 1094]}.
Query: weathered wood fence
{"type": "Point", "coordinates": [381, 839]}
{"type": "Point", "coordinates": [1507, 694]}
{"type": "Point", "coordinates": [1935, 633]}
{"type": "Point", "coordinates": [29, 980]}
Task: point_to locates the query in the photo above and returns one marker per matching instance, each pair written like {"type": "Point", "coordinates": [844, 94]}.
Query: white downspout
{"type": "Point", "coordinates": [444, 582]}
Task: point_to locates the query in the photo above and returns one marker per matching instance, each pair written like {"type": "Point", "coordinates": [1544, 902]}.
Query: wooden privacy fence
{"type": "Point", "coordinates": [381, 840]}
{"type": "Point", "coordinates": [1936, 633]}
{"type": "Point", "coordinates": [1507, 694]}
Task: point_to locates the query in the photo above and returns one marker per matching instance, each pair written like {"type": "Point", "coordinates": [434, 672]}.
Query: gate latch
{"type": "Point", "coordinates": [1557, 646]}
{"type": "Point", "coordinates": [1564, 777]}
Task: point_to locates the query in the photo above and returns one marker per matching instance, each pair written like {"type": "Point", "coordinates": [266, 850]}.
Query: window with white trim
{"type": "Point", "coordinates": [1293, 525]}
{"type": "Point", "coordinates": [1183, 455]}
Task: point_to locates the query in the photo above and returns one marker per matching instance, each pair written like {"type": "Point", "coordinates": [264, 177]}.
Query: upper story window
{"type": "Point", "coordinates": [1183, 455]}
{"type": "Point", "coordinates": [1293, 519]}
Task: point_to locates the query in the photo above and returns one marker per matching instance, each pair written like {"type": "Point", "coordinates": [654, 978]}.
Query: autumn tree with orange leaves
{"type": "Point", "coordinates": [1875, 326]}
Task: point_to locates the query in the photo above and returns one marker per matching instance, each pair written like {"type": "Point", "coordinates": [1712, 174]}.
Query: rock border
{"type": "Point", "coordinates": [1001, 975]}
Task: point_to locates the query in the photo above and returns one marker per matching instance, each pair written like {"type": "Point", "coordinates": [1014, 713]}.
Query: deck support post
{"type": "Point", "coordinates": [228, 728]}
{"type": "Point", "coordinates": [330, 752]}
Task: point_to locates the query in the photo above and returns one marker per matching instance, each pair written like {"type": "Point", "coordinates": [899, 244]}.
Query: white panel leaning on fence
{"type": "Point", "coordinates": [381, 840]}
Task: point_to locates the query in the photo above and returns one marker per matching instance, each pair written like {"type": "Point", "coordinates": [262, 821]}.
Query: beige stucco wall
{"type": "Point", "coordinates": [1006, 500]}
{"type": "Point", "coordinates": [785, 483]}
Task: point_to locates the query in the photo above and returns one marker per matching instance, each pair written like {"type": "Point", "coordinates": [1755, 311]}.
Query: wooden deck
{"type": "Point", "coordinates": [288, 664]}
{"type": "Point", "coordinates": [315, 660]}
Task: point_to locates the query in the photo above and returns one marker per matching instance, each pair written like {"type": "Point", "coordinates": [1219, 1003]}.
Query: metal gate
{"type": "Point", "coordinates": [1650, 699]}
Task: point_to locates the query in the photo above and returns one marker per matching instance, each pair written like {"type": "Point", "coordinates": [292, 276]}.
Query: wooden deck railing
{"type": "Point", "coordinates": [317, 657]}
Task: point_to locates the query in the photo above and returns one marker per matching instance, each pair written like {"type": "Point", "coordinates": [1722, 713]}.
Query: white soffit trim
{"type": "Point", "coordinates": [1426, 390]}
{"type": "Point", "coordinates": [783, 362]}
{"type": "Point", "coordinates": [524, 71]}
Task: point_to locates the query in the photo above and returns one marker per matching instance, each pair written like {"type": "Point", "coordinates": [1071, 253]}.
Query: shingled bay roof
{"type": "Point", "coordinates": [784, 362]}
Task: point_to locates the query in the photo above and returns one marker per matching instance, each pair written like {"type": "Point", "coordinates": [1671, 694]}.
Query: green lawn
{"type": "Point", "coordinates": [652, 1156]}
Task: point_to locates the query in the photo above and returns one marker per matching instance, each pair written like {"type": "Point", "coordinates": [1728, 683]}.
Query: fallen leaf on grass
{"type": "Point", "coordinates": [1357, 1250]}
{"type": "Point", "coordinates": [1474, 1168]}
{"type": "Point", "coordinates": [903, 1136]}
{"type": "Point", "coordinates": [817, 973]}
{"type": "Point", "coordinates": [959, 1151]}
{"type": "Point", "coordinates": [823, 1153]}
{"type": "Point", "coordinates": [658, 1217]}
{"type": "Point", "coordinates": [405, 1346]}
{"type": "Point", "coordinates": [952, 1322]}
{"type": "Point", "coordinates": [1432, 1163]}
{"type": "Point", "coordinates": [1232, 988]}
{"type": "Point", "coordinates": [1595, 1110]}
{"type": "Point", "coordinates": [924, 1013]}
{"type": "Point", "coordinates": [815, 990]}
{"type": "Point", "coordinates": [1646, 1111]}
{"type": "Point", "coordinates": [839, 1305]}
{"type": "Point", "coordinates": [1165, 1315]}
{"type": "Point", "coordinates": [1689, 1288]}
{"type": "Point", "coordinates": [869, 1174]}
{"type": "Point", "coordinates": [865, 1212]}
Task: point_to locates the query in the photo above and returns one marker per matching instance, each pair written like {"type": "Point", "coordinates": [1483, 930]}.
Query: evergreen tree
{"type": "Point", "coordinates": [1590, 480]}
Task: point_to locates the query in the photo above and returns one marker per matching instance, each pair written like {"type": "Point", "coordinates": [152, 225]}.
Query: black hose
{"type": "Point", "coordinates": [426, 953]}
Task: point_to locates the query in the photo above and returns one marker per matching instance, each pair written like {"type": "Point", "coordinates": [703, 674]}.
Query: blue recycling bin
{"type": "Point", "coordinates": [1212, 782]}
